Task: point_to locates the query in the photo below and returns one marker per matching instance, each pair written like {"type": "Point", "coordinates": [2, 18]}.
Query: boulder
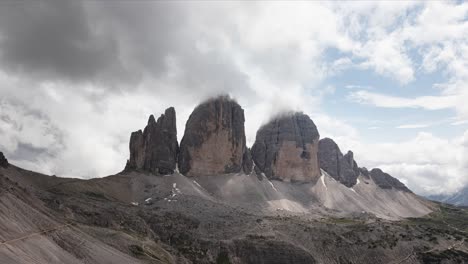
{"type": "Point", "coordinates": [155, 149]}
{"type": "Point", "coordinates": [286, 148]}
{"type": "Point", "coordinates": [3, 161]}
{"type": "Point", "coordinates": [214, 139]}
{"type": "Point", "coordinates": [342, 168]}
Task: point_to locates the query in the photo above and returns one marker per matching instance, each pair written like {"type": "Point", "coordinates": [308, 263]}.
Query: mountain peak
{"type": "Point", "coordinates": [342, 168]}
{"type": "Point", "coordinates": [3, 161]}
{"type": "Point", "coordinates": [214, 139]}
{"type": "Point", "coordinates": [286, 148]}
{"type": "Point", "coordinates": [155, 149]}
{"type": "Point", "coordinates": [386, 181]}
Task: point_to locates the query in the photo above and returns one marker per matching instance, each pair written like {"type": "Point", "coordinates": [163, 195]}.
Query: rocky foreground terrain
{"type": "Point", "coordinates": [293, 198]}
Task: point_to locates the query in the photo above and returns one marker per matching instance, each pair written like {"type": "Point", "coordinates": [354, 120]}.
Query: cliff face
{"type": "Point", "coordinates": [286, 149]}
{"type": "Point", "coordinates": [342, 168]}
{"type": "Point", "coordinates": [214, 140]}
{"type": "Point", "coordinates": [3, 161]}
{"type": "Point", "coordinates": [155, 149]}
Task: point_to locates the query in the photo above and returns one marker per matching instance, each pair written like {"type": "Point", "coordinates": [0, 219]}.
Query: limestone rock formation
{"type": "Point", "coordinates": [342, 168]}
{"type": "Point", "coordinates": [247, 163]}
{"type": "Point", "coordinates": [214, 139]}
{"type": "Point", "coordinates": [3, 161]}
{"type": "Point", "coordinates": [349, 158]}
{"type": "Point", "coordinates": [385, 181]}
{"type": "Point", "coordinates": [155, 149]}
{"type": "Point", "coordinates": [286, 148]}
{"type": "Point", "coordinates": [364, 172]}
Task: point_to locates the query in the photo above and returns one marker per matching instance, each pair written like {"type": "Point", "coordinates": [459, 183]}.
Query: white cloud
{"type": "Point", "coordinates": [424, 102]}
{"type": "Point", "coordinates": [413, 126]}
{"type": "Point", "coordinates": [437, 32]}
{"type": "Point", "coordinates": [428, 164]}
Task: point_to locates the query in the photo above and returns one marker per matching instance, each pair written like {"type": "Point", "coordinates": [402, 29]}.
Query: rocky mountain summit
{"type": "Point", "coordinates": [155, 149]}
{"type": "Point", "coordinates": [386, 181]}
{"type": "Point", "coordinates": [3, 161]}
{"type": "Point", "coordinates": [286, 148]}
{"type": "Point", "coordinates": [214, 140]}
{"type": "Point", "coordinates": [342, 168]}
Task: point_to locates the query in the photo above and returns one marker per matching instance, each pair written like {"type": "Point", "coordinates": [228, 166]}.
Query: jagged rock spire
{"type": "Point", "coordinates": [342, 168]}
{"type": "Point", "coordinates": [155, 149]}
{"type": "Point", "coordinates": [3, 161]}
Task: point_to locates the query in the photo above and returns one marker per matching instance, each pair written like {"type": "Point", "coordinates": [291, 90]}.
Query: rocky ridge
{"type": "Point", "coordinates": [386, 181]}
{"type": "Point", "coordinates": [341, 167]}
{"type": "Point", "coordinates": [287, 148]}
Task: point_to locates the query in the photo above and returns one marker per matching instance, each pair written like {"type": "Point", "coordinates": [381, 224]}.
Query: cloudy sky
{"type": "Point", "coordinates": [388, 80]}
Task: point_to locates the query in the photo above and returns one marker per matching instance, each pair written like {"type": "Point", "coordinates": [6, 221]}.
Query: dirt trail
{"type": "Point", "coordinates": [35, 234]}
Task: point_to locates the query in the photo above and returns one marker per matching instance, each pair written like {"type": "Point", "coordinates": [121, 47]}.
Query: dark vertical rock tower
{"type": "Point", "coordinates": [214, 140]}
{"type": "Point", "coordinates": [155, 149]}
{"type": "Point", "coordinates": [286, 148]}
{"type": "Point", "coordinates": [342, 168]}
{"type": "Point", "coordinates": [3, 161]}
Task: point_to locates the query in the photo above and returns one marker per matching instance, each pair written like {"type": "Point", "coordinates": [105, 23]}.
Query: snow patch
{"type": "Point", "coordinates": [134, 203]}
{"type": "Point", "coordinates": [358, 181]}
{"type": "Point", "coordinates": [272, 185]}
{"type": "Point", "coordinates": [197, 183]}
{"type": "Point", "coordinates": [322, 178]}
{"type": "Point", "coordinates": [174, 192]}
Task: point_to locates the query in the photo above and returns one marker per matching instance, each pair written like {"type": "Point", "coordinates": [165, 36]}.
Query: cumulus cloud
{"type": "Point", "coordinates": [53, 39]}
{"type": "Point", "coordinates": [437, 33]}
{"type": "Point", "coordinates": [425, 102]}
{"type": "Point", "coordinates": [427, 163]}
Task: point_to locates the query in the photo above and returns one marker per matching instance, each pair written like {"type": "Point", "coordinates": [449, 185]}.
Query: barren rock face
{"type": "Point", "coordinates": [364, 172]}
{"type": "Point", "coordinates": [3, 161]}
{"type": "Point", "coordinates": [385, 181]}
{"type": "Point", "coordinates": [155, 149]}
{"type": "Point", "coordinates": [342, 168]}
{"type": "Point", "coordinates": [349, 158]}
{"type": "Point", "coordinates": [214, 139]}
{"type": "Point", "coordinates": [286, 149]}
{"type": "Point", "coordinates": [247, 163]}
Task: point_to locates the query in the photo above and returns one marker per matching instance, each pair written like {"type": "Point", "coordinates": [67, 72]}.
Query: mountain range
{"type": "Point", "coordinates": [459, 198]}
{"type": "Point", "coordinates": [290, 198]}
